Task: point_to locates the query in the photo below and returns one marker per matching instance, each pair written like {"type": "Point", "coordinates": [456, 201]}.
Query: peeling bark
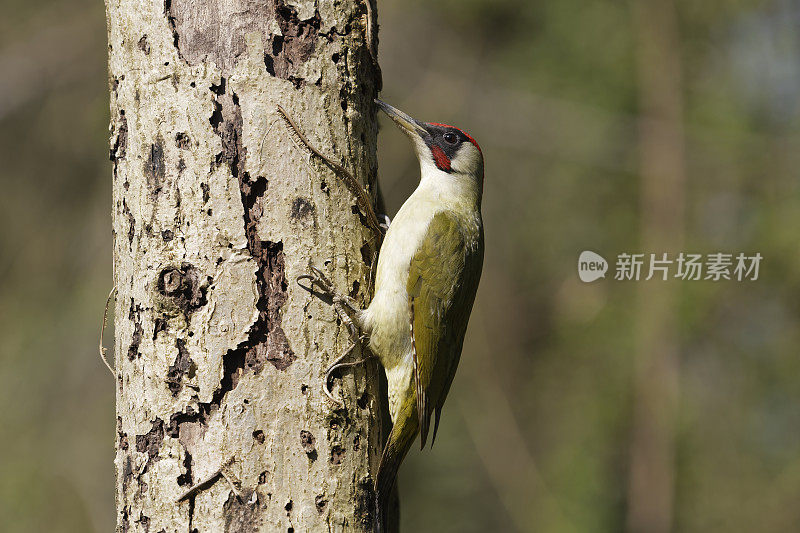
{"type": "Point", "coordinates": [220, 355]}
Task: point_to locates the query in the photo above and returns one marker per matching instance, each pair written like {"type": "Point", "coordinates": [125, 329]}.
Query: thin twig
{"type": "Point", "coordinates": [350, 182]}
{"type": "Point", "coordinates": [103, 329]}
{"type": "Point", "coordinates": [207, 482]}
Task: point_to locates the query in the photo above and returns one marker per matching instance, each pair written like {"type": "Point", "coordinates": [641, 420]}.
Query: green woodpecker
{"type": "Point", "coordinates": [428, 270]}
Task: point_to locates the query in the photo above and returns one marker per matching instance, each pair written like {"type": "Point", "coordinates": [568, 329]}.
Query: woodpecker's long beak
{"type": "Point", "coordinates": [411, 127]}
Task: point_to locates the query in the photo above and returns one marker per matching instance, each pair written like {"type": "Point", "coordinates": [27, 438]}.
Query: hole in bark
{"type": "Point", "coordinates": [143, 45]}
{"type": "Point", "coordinates": [320, 502]}
{"type": "Point", "coordinates": [337, 455]}
{"type": "Point", "coordinates": [308, 442]}
{"type": "Point", "coordinates": [182, 140]}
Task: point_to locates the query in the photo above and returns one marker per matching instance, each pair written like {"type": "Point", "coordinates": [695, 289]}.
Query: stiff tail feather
{"type": "Point", "coordinates": [403, 433]}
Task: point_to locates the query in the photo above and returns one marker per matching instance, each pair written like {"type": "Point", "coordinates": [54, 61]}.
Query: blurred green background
{"type": "Point", "coordinates": [581, 108]}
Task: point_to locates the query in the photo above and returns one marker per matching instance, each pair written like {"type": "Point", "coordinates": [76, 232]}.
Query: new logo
{"type": "Point", "coordinates": [591, 266]}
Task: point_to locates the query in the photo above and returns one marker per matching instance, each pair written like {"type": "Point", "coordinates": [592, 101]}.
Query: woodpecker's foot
{"type": "Point", "coordinates": [321, 281]}
{"type": "Point", "coordinates": [346, 307]}
{"type": "Point", "coordinates": [385, 222]}
{"type": "Point", "coordinates": [340, 363]}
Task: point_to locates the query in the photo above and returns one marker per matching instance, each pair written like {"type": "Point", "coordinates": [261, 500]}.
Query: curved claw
{"type": "Point", "coordinates": [327, 392]}
{"type": "Point", "coordinates": [336, 364]}
{"type": "Point", "coordinates": [316, 278]}
{"type": "Point", "coordinates": [305, 276]}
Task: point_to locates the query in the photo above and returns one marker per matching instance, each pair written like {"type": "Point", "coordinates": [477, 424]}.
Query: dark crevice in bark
{"type": "Point", "coordinates": [127, 474]}
{"type": "Point", "coordinates": [185, 479]}
{"type": "Point", "coordinates": [183, 366]}
{"type": "Point", "coordinates": [161, 324]}
{"type": "Point", "coordinates": [267, 340]}
{"type": "Point", "coordinates": [125, 520]}
{"type": "Point", "coordinates": [134, 315]}
{"type": "Point", "coordinates": [172, 27]}
{"type": "Point", "coordinates": [150, 442]}
{"type": "Point", "coordinates": [131, 222]}
{"type": "Point", "coordinates": [117, 152]}
{"type": "Point", "coordinates": [284, 53]}
{"type": "Point", "coordinates": [155, 170]}
{"type": "Point", "coordinates": [191, 512]}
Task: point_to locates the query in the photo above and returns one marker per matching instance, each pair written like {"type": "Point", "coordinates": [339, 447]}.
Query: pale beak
{"type": "Point", "coordinates": [411, 127]}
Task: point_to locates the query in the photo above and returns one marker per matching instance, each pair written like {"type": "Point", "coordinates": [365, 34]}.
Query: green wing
{"type": "Point", "coordinates": [442, 281]}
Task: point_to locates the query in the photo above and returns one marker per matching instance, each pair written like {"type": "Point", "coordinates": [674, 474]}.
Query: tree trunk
{"type": "Point", "coordinates": [651, 480]}
{"type": "Point", "coordinates": [220, 355]}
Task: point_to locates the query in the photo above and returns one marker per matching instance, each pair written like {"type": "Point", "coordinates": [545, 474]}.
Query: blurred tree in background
{"type": "Point", "coordinates": [537, 433]}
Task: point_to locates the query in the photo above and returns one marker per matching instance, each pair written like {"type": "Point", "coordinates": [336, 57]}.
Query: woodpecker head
{"type": "Point", "coordinates": [444, 147]}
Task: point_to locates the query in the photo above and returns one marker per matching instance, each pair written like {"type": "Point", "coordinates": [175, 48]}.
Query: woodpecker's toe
{"type": "Point", "coordinates": [385, 222]}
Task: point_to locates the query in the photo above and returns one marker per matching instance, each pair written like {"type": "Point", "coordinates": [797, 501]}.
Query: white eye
{"type": "Point", "coordinates": [450, 138]}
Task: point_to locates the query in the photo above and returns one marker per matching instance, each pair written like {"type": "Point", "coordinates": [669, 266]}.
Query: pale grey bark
{"type": "Point", "coordinates": [220, 355]}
